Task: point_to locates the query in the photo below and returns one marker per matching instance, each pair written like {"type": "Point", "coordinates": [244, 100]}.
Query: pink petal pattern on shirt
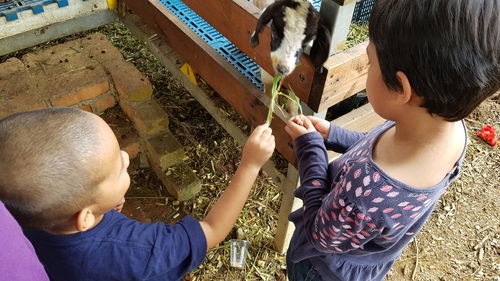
{"type": "Point", "coordinates": [358, 191]}
{"type": "Point", "coordinates": [376, 176]}
{"type": "Point", "coordinates": [402, 204]}
{"type": "Point", "coordinates": [366, 180]}
{"type": "Point", "coordinates": [367, 193]}
{"type": "Point", "coordinates": [341, 202]}
{"type": "Point", "coordinates": [372, 209]}
{"type": "Point", "coordinates": [357, 173]}
{"type": "Point", "coordinates": [378, 200]}
{"type": "Point", "coordinates": [386, 188]}
{"type": "Point", "coordinates": [388, 210]}
{"type": "Point", "coordinates": [409, 207]}
{"type": "Point", "coordinates": [393, 194]}
{"type": "Point", "coordinates": [421, 198]}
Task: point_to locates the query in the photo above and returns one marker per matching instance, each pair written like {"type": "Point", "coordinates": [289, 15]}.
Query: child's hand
{"type": "Point", "coordinates": [321, 125]}
{"type": "Point", "coordinates": [259, 147]}
{"type": "Point", "coordinates": [298, 126]}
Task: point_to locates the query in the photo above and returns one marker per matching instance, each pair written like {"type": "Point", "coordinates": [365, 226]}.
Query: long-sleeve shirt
{"type": "Point", "coordinates": [18, 260]}
{"type": "Point", "coordinates": [356, 219]}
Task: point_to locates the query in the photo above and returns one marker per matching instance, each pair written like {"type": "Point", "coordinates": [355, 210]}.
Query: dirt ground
{"type": "Point", "coordinates": [459, 242]}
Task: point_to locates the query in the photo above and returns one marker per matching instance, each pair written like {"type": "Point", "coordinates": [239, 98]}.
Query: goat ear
{"type": "Point", "coordinates": [321, 46]}
{"type": "Point", "coordinates": [254, 41]}
{"type": "Point", "coordinates": [264, 19]}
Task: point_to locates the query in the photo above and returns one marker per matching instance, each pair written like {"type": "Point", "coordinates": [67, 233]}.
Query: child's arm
{"type": "Point", "coordinates": [336, 138]}
{"type": "Point", "coordinates": [331, 223]}
{"type": "Point", "coordinates": [221, 218]}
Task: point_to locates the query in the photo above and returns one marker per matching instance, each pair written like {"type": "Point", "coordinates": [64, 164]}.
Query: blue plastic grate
{"type": "Point", "coordinates": [10, 9]}
{"type": "Point", "coordinates": [362, 11]}
{"type": "Point", "coordinates": [217, 41]}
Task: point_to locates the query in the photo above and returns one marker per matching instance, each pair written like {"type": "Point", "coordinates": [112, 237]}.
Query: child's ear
{"type": "Point", "coordinates": [406, 92]}
{"type": "Point", "coordinates": [85, 219]}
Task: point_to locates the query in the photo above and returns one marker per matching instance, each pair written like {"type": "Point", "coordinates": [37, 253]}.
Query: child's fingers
{"type": "Point", "coordinates": [307, 123]}
{"type": "Point", "coordinates": [266, 133]}
{"type": "Point", "coordinates": [259, 130]}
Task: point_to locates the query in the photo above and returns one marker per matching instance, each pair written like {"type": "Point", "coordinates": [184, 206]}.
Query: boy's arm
{"type": "Point", "coordinates": [221, 218]}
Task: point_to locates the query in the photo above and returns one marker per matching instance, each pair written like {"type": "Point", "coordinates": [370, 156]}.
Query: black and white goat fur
{"type": "Point", "coordinates": [294, 24]}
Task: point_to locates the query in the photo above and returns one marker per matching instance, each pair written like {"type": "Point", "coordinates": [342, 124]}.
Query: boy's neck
{"type": "Point", "coordinates": [71, 227]}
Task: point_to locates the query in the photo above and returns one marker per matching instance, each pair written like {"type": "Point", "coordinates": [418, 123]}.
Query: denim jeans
{"type": "Point", "coordinates": [301, 271]}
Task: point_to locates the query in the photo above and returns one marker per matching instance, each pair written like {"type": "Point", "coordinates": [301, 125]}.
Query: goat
{"type": "Point", "coordinates": [294, 24]}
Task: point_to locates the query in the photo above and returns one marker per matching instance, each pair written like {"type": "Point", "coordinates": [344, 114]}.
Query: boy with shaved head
{"type": "Point", "coordinates": [63, 174]}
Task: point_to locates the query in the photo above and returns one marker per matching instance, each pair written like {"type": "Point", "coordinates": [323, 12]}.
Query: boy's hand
{"type": "Point", "coordinates": [298, 126]}
{"type": "Point", "coordinates": [321, 125]}
{"type": "Point", "coordinates": [259, 147]}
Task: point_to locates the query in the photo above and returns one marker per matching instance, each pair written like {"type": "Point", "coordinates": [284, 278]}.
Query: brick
{"type": "Point", "coordinates": [72, 88]}
{"type": "Point", "coordinates": [180, 180]}
{"type": "Point", "coordinates": [103, 102]}
{"type": "Point", "coordinates": [16, 91]}
{"type": "Point", "coordinates": [164, 150]}
{"type": "Point", "coordinates": [20, 102]}
{"type": "Point", "coordinates": [14, 77]}
{"type": "Point", "coordinates": [86, 107]}
{"type": "Point", "coordinates": [59, 59]}
{"type": "Point", "coordinates": [99, 48]}
{"type": "Point", "coordinates": [148, 117]}
{"type": "Point", "coordinates": [130, 83]}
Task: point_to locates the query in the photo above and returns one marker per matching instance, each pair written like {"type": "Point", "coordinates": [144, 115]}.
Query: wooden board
{"type": "Point", "coordinates": [361, 119]}
{"type": "Point", "coordinates": [236, 20]}
{"type": "Point", "coordinates": [238, 91]}
{"type": "Point", "coordinates": [346, 76]}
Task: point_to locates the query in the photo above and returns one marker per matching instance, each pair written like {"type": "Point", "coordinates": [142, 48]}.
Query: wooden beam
{"type": "Point", "coordinates": [361, 119]}
{"type": "Point", "coordinates": [236, 20]}
{"type": "Point", "coordinates": [237, 90]}
{"type": "Point", "coordinates": [346, 76]}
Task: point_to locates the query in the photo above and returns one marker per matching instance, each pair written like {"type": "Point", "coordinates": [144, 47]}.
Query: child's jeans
{"type": "Point", "coordinates": [301, 271]}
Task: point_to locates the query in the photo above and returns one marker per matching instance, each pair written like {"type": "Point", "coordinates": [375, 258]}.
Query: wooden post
{"type": "Point", "coordinates": [339, 17]}
{"type": "Point", "coordinates": [288, 204]}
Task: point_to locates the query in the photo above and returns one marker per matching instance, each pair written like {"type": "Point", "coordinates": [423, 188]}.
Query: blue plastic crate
{"type": "Point", "coordinates": [10, 9]}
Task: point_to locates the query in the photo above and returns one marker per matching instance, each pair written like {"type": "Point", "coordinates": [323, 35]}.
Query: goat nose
{"type": "Point", "coordinates": [282, 69]}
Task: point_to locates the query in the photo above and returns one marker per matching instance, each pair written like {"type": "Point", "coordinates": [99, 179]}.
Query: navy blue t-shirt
{"type": "Point", "coordinates": [119, 248]}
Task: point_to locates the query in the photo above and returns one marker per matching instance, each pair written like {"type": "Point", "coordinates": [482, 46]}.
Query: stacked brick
{"type": "Point", "coordinates": [91, 74]}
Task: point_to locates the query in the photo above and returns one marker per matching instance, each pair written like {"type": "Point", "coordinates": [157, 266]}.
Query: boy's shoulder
{"type": "Point", "coordinates": [124, 245]}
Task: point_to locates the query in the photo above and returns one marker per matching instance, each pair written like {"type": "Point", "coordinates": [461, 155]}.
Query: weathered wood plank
{"type": "Point", "coordinates": [238, 91]}
{"type": "Point", "coordinates": [361, 119]}
{"type": "Point", "coordinates": [236, 20]}
{"type": "Point", "coordinates": [346, 76]}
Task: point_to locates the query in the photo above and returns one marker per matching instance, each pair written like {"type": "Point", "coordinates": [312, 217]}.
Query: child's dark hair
{"type": "Point", "coordinates": [448, 49]}
{"type": "Point", "coordinates": [48, 165]}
